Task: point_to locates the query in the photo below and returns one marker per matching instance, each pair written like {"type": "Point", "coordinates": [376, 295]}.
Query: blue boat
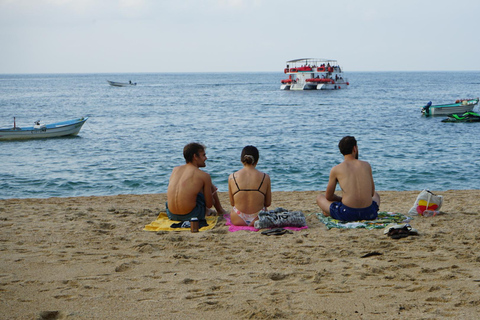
{"type": "Point", "coordinates": [42, 131]}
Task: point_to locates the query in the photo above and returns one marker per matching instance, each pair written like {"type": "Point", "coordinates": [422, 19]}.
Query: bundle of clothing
{"type": "Point", "coordinates": [186, 224]}
{"type": "Point", "coordinates": [279, 218]}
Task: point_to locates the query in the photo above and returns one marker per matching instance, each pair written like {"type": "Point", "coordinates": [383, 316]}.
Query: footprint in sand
{"type": "Point", "coordinates": [276, 276]}
{"type": "Point", "coordinates": [123, 267]}
{"type": "Point", "coordinates": [50, 315]}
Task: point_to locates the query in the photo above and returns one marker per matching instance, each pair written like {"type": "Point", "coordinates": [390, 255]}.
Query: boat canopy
{"type": "Point", "coordinates": [315, 61]}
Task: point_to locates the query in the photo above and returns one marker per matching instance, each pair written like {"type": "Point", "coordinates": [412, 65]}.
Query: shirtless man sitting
{"type": "Point", "coordinates": [359, 200]}
{"type": "Point", "coordinates": [190, 190]}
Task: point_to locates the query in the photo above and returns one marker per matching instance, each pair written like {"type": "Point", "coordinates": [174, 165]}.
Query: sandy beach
{"type": "Point", "coordinates": [89, 258]}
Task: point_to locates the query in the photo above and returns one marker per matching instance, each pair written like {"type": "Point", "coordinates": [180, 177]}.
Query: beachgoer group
{"type": "Point", "coordinates": [191, 192]}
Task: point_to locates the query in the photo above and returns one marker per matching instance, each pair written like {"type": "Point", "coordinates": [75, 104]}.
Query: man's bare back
{"type": "Point", "coordinates": [355, 178]}
{"type": "Point", "coordinates": [359, 199]}
{"type": "Point", "coordinates": [190, 191]}
{"type": "Point", "coordinates": [186, 182]}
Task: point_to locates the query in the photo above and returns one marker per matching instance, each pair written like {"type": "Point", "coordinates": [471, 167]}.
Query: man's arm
{"type": "Point", "coordinates": [207, 190]}
{"type": "Point", "coordinates": [373, 183]}
{"type": "Point", "coordinates": [332, 184]}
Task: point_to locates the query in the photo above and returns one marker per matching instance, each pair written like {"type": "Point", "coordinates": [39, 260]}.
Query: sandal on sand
{"type": "Point", "coordinates": [397, 231]}
{"type": "Point", "coordinates": [275, 232]}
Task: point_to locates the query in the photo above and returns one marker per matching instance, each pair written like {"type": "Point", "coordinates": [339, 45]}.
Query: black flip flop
{"type": "Point", "coordinates": [399, 233]}
{"type": "Point", "coordinates": [275, 232]}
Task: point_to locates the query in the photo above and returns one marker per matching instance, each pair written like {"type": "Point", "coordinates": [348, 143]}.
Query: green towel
{"type": "Point", "coordinates": [383, 219]}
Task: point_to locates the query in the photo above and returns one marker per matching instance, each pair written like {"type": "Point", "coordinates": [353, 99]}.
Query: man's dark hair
{"type": "Point", "coordinates": [346, 145]}
{"type": "Point", "coordinates": [192, 149]}
{"type": "Point", "coordinates": [249, 155]}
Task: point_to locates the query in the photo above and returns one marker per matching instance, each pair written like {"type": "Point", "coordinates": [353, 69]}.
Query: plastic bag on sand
{"type": "Point", "coordinates": [426, 200]}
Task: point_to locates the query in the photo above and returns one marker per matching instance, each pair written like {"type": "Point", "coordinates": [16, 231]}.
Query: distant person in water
{"type": "Point", "coordinates": [190, 190]}
{"type": "Point", "coordinates": [249, 189]}
{"type": "Point", "coordinates": [359, 201]}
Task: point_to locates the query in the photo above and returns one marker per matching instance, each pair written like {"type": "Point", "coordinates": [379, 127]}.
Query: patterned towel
{"type": "Point", "coordinates": [384, 219]}
{"type": "Point", "coordinates": [233, 228]}
{"type": "Point", "coordinates": [163, 224]}
{"type": "Point", "coordinates": [279, 218]}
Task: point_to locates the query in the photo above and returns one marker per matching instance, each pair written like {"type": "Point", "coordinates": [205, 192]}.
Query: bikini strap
{"type": "Point", "coordinates": [238, 188]}
{"type": "Point", "coordinates": [261, 183]}
{"type": "Point", "coordinates": [259, 187]}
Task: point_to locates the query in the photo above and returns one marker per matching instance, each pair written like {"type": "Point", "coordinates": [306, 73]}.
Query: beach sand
{"type": "Point", "coordinates": [89, 258]}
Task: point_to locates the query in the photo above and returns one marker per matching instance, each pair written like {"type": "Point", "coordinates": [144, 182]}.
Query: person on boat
{"type": "Point", "coordinates": [190, 190]}
{"type": "Point", "coordinates": [359, 200]}
{"type": "Point", "coordinates": [249, 190]}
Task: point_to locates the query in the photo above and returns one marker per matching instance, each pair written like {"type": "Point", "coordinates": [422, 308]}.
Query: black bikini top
{"type": "Point", "coordinates": [238, 188]}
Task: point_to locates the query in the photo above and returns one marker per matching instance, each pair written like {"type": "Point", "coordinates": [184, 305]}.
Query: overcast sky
{"type": "Point", "coordinates": [102, 36]}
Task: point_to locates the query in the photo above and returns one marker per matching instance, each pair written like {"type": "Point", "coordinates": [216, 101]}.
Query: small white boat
{"type": "Point", "coordinates": [459, 107]}
{"type": "Point", "coordinates": [313, 74]}
{"type": "Point", "coordinates": [121, 84]}
{"type": "Point", "coordinates": [41, 131]}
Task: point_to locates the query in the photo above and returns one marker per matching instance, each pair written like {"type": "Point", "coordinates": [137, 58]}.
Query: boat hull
{"type": "Point", "coordinates": [313, 86]}
{"type": "Point", "coordinates": [59, 129]}
{"type": "Point", "coordinates": [120, 84]}
{"type": "Point", "coordinates": [446, 110]}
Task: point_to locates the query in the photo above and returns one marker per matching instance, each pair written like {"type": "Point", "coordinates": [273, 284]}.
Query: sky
{"type": "Point", "coordinates": [130, 36]}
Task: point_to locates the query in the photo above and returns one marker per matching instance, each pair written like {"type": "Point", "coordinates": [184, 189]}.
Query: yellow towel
{"type": "Point", "coordinates": [163, 224]}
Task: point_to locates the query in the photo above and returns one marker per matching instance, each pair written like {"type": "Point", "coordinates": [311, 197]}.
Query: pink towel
{"type": "Point", "coordinates": [233, 228]}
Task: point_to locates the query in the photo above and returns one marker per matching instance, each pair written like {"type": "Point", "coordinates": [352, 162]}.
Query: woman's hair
{"type": "Point", "coordinates": [192, 149]}
{"type": "Point", "coordinates": [249, 155]}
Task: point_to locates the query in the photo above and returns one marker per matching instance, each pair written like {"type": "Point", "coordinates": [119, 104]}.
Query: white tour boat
{"type": "Point", "coordinates": [313, 74]}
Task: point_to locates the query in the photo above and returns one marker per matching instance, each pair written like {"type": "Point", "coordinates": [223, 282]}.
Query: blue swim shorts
{"type": "Point", "coordinates": [198, 211]}
{"type": "Point", "coordinates": [340, 211]}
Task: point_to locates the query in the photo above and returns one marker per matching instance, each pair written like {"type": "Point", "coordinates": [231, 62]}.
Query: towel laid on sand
{"type": "Point", "coordinates": [233, 228]}
{"type": "Point", "coordinates": [280, 218]}
{"type": "Point", "coordinates": [384, 219]}
{"type": "Point", "coordinates": [162, 223]}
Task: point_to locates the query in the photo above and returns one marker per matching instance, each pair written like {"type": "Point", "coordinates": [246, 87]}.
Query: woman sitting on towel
{"type": "Point", "coordinates": [249, 190]}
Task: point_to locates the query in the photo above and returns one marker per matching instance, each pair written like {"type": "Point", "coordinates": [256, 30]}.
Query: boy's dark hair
{"type": "Point", "coordinates": [192, 149]}
{"type": "Point", "coordinates": [346, 145]}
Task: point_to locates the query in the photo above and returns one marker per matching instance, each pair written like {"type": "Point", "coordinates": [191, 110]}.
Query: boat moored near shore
{"type": "Point", "coordinates": [313, 74]}
{"type": "Point", "coordinates": [41, 131]}
{"type": "Point", "coordinates": [459, 107]}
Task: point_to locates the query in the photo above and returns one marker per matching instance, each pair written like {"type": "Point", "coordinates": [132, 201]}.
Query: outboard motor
{"type": "Point", "coordinates": [426, 109]}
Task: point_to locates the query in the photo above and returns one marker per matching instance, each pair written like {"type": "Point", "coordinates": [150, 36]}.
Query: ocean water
{"type": "Point", "coordinates": [135, 135]}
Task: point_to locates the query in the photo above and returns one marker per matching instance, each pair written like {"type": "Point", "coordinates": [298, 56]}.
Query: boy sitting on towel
{"type": "Point", "coordinates": [359, 200]}
{"type": "Point", "coordinates": [190, 190]}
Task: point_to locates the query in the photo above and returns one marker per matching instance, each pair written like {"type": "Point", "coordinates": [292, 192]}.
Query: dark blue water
{"type": "Point", "coordinates": [135, 135]}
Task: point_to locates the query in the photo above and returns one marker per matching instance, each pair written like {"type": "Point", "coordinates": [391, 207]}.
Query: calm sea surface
{"type": "Point", "coordinates": [135, 135]}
